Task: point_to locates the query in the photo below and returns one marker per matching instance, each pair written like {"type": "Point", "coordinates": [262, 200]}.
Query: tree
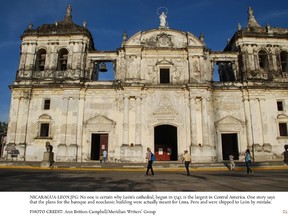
{"type": "Point", "coordinates": [3, 126]}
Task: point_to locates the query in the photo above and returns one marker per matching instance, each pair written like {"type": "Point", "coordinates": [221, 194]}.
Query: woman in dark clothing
{"type": "Point", "coordinates": [248, 161]}
{"type": "Point", "coordinates": [150, 161]}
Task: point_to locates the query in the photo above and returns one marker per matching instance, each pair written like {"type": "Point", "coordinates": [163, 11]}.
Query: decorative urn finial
{"type": "Point", "coordinates": [68, 16]}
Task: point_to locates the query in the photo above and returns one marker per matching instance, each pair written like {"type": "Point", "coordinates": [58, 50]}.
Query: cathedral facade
{"type": "Point", "coordinates": [163, 95]}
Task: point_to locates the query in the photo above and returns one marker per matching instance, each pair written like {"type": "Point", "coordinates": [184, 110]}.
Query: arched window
{"type": "Point", "coordinates": [284, 61]}
{"type": "Point", "coordinates": [263, 60]}
{"type": "Point", "coordinates": [283, 125]}
{"type": "Point", "coordinates": [44, 126]}
{"type": "Point", "coordinates": [40, 60]}
{"type": "Point", "coordinates": [62, 60]}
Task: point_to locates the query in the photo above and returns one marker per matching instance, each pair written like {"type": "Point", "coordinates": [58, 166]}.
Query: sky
{"type": "Point", "coordinates": [108, 19]}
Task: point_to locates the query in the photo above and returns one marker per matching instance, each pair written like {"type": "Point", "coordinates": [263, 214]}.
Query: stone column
{"type": "Point", "coordinates": [29, 64]}
{"type": "Point", "coordinates": [53, 57]}
{"type": "Point", "coordinates": [14, 113]}
{"type": "Point", "coordinates": [248, 124]}
{"type": "Point", "coordinates": [26, 113]}
{"type": "Point", "coordinates": [48, 57]}
{"type": "Point", "coordinates": [83, 59]}
{"type": "Point", "coordinates": [79, 138]}
{"type": "Point", "coordinates": [205, 128]}
{"type": "Point", "coordinates": [261, 120]}
{"type": "Point", "coordinates": [243, 65]}
{"type": "Point", "coordinates": [63, 131]}
{"type": "Point", "coordinates": [265, 108]}
{"type": "Point", "coordinates": [187, 127]}
{"type": "Point", "coordinates": [235, 70]}
{"type": "Point", "coordinates": [138, 121]}
{"type": "Point", "coordinates": [256, 121]}
{"type": "Point", "coordinates": [193, 129]}
{"type": "Point", "coordinates": [199, 121]}
{"type": "Point", "coordinates": [71, 120]}
{"type": "Point", "coordinates": [68, 116]}
{"type": "Point", "coordinates": [256, 65]}
{"type": "Point", "coordinates": [21, 113]}
{"type": "Point", "coordinates": [23, 57]}
{"type": "Point", "coordinates": [126, 121]}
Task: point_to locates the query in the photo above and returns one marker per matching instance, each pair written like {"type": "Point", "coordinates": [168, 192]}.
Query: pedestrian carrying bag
{"type": "Point", "coordinates": [152, 157]}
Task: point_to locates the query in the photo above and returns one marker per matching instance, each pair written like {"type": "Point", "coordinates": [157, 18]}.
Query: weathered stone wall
{"type": "Point", "coordinates": [129, 108]}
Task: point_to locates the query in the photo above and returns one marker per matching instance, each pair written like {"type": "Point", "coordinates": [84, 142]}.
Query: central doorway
{"type": "Point", "coordinates": [99, 142]}
{"type": "Point", "coordinates": [230, 146]}
{"type": "Point", "coordinates": [165, 141]}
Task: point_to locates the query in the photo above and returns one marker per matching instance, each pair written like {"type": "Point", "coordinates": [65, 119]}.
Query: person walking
{"type": "Point", "coordinates": [104, 154]}
{"type": "Point", "coordinates": [248, 161]}
{"type": "Point", "coordinates": [187, 161]}
{"type": "Point", "coordinates": [149, 157]}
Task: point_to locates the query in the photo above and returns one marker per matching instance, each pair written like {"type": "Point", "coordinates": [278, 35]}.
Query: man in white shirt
{"type": "Point", "coordinates": [187, 161]}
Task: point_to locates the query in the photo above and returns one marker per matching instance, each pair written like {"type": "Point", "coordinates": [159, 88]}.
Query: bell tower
{"type": "Point", "coordinates": [54, 52]}
{"type": "Point", "coordinates": [260, 59]}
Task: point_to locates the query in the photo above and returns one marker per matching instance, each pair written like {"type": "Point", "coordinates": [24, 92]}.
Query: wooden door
{"type": "Point", "coordinates": [162, 153]}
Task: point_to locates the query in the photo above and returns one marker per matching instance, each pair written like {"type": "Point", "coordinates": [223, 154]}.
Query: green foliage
{"type": "Point", "coordinates": [3, 126]}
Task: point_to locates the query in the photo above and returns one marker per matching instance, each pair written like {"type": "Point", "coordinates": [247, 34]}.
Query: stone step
{"type": "Point", "coordinates": [156, 164]}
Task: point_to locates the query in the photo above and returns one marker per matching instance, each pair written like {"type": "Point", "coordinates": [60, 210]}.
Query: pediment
{"type": "Point", "coordinates": [282, 117]}
{"type": "Point", "coordinates": [100, 120]}
{"type": "Point", "coordinates": [166, 38]}
{"type": "Point", "coordinates": [165, 111]}
{"type": "Point", "coordinates": [45, 117]}
{"type": "Point", "coordinates": [164, 62]}
{"type": "Point", "coordinates": [229, 120]}
{"type": "Point", "coordinates": [165, 108]}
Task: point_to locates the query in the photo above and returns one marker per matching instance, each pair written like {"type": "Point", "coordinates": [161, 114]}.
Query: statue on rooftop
{"type": "Point", "coordinates": [252, 22]}
{"type": "Point", "coordinates": [68, 13]}
{"type": "Point", "coordinates": [163, 17]}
